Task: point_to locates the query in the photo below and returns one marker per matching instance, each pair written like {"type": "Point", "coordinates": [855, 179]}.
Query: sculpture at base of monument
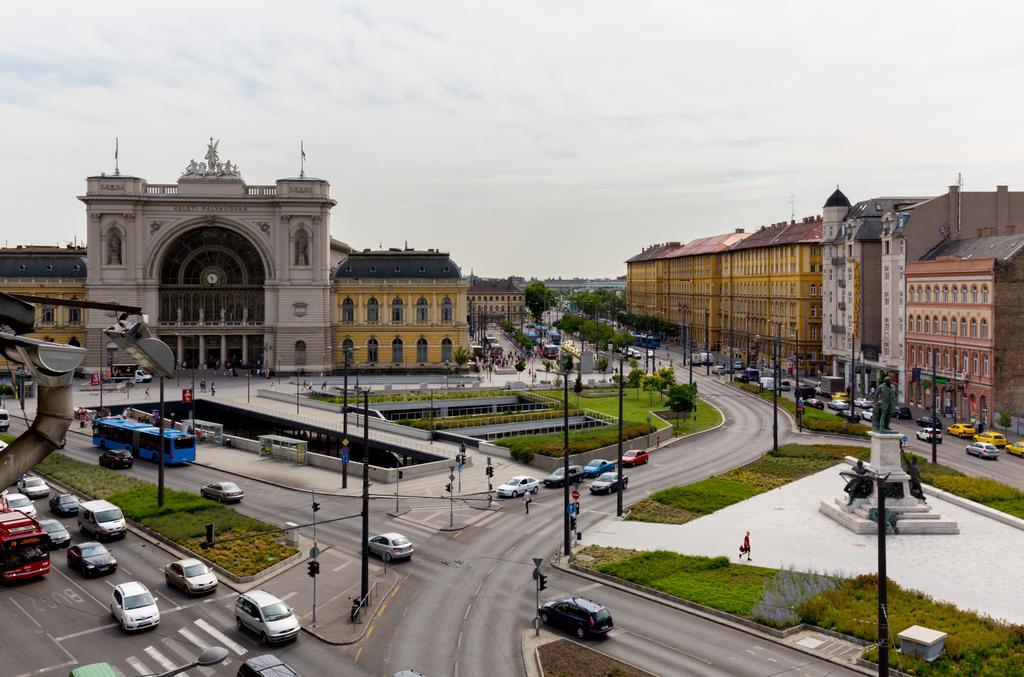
{"type": "Point", "coordinates": [916, 490]}
{"type": "Point", "coordinates": [885, 403]}
{"type": "Point", "coordinates": [859, 484]}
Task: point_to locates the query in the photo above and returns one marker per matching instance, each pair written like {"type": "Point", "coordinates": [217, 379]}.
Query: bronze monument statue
{"type": "Point", "coordinates": [915, 478]}
{"type": "Point", "coordinates": [885, 404]}
{"type": "Point", "coordinates": [859, 484]}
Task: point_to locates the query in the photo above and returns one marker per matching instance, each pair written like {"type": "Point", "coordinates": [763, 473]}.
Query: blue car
{"type": "Point", "coordinates": [596, 467]}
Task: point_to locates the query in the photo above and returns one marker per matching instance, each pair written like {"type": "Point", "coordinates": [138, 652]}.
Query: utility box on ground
{"type": "Point", "coordinates": [923, 642]}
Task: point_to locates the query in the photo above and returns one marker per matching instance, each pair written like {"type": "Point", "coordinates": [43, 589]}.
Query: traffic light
{"type": "Point", "coordinates": [490, 471]}
{"type": "Point", "coordinates": [208, 543]}
{"type": "Point", "coordinates": [401, 475]}
{"type": "Point", "coordinates": [542, 581]}
{"type": "Point", "coordinates": [313, 568]}
{"type": "Point", "coordinates": [572, 523]}
{"type": "Point", "coordinates": [448, 487]}
{"type": "Point", "coordinates": [316, 506]}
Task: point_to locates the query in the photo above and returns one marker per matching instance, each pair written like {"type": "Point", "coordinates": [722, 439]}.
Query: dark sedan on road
{"type": "Point", "coordinates": [607, 483]}
{"type": "Point", "coordinates": [557, 478]}
{"type": "Point", "coordinates": [579, 615]}
{"type": "Point", "coordinates": [903, 413]}
{"type": "Point", "coordinates": [64, 504]}
{"type": "Point", "coordinates": [929, 422]}
{"type": "Point", "coordinates": [59, 536]}
{"type": "Point", "coordinates": [117, 458]}
{"type": "Point", "coordinates": [814, 402]}
{"type": "Point", "coordinates": [91, 559]}
{"type": "Point", "coordinates": [597, 467]}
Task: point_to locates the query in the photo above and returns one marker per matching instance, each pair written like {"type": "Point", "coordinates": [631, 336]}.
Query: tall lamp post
{"type": "Point", "coordinates": [776, 349]}
{"type": "Point", "coordinates": [567, 535]}
{"type": "Point", "coordinates": [111, 349]}
{"type": "Point", "coordinates": [799, 399]}
{"type": "Point", "coordinates": [344, 415]}
{"type": "Point", "coordinates": [618, 493]}
{"type": "Point", "coordinates": [707, 342]}
{"type": "Point", "coordinates": [935, 428]}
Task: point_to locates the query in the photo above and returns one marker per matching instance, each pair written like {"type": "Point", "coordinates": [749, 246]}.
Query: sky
{"type": "Point", "coordinates": [548, 139]}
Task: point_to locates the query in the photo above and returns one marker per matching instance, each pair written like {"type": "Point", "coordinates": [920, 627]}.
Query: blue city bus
{"type": "Point", "coordinates": [143, 440]}
{"type": "Point", "coordinates": [554, 337]}
{"type": "Point", "coordinates": [649, 341]}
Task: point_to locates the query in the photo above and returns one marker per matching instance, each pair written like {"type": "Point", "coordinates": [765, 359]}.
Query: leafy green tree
{"type": "Point", "coordinates": [602, 364]}
{"type": "Point", "coordinates": [1005, 419]}
{"type": "Point", "coordinates": [622, 339]}
{"type": "Point", "coordinates": [577, 387]}
{"type": "Point", "coordinates": [520, 366]}
{"type": "Point", "coordinates": [462, 356]}
{"type": "Point", "coordinates": [635, 378]}
{"type": "Point", "coordinates": [651, 383]}
{"type": "Point", "coordinates": [666, 379]}
{"type": "Point", "coordinates": [538, 298]}
{"type": "Point", "coordinates": [682, 397]}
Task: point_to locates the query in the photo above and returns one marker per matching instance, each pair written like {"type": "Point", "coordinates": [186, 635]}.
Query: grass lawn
{"type": "Point", "coordinates": [677, 505]}
{"type": "Point", "coordinates": [7, 438]}
{"type": "Point", "coordinates": [181, 519]}
{"type": "Point", "coordinates": [606, 400]}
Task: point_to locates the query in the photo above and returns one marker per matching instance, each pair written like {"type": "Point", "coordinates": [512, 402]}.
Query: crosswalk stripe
{"type": "Point", "coordinates": [138, 666]}
{"type": "Point", "coordinates": [164, 662]}
{"type": "Point", "coordinates": [194, 638]}
{"type": "Point", "coordinates": [220, 636]}
{"type": "Point", "coordinates": [180, 650]}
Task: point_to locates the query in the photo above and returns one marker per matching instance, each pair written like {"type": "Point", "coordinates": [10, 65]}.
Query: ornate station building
{"type": "Point", "coordinates": [239, 274]}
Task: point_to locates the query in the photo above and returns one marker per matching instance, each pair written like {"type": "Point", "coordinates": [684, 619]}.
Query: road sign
{"type": "Point", "coordinates": [537, 561]}
{"type": "Point", "coordinates": [344, 455]}
{"type": "Point", "coordinates": [186, 394]}
{"type": "Point", "coordinates": [451, 476]}
{"type": "Point", "coordinates": [571, 509]}
{"type": "Point", "coordinates": [460, 468]}
{"type": "Point", "coordinates": [576, 506]}
{"type": "Point", "coordinates": [904, 439]}
{"type": "Point", "coordinates": [314, 552]}
{"type": "Point", "coordinates": [575, 495]}
{"type": "Point", "coordinates": [344, 443]}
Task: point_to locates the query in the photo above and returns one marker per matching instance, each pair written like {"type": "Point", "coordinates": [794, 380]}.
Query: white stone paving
{"type": "Point", "coordinates": [976, 569]}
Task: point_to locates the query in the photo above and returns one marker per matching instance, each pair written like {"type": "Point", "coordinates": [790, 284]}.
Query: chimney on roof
{"type": "Point", "coordinates": [741, 230]}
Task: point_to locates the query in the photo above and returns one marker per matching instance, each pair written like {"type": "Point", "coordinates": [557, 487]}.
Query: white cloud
{"type": "Point", "coordinates": [525, 137]}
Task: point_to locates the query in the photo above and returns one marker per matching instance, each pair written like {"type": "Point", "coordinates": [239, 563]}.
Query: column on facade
{"type": "Point", "coordinates": [245, 348]}
{"type": "Point", "coordinates": [223, 350]}
{"type": "Point", "coordinates": [201, 360]}
{"type": "Point", "coordinates": [179, 356]}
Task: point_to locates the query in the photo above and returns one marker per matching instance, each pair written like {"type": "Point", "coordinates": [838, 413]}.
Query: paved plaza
{"type": "Point", "coordinates": [972, 569]}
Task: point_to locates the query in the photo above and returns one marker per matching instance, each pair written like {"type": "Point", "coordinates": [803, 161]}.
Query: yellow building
{"type": "Point", "coordinates": [57, 272]}
{"type": "Point", "coordinates": [735, 290]}
{"type": "Point", "coordinates": [399, 309]}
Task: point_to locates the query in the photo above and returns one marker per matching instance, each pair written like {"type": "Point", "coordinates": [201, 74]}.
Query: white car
{"type": "Point", "coordinates": [517, 486]}
{"type": "Point", "coordinates": [267, 616]}
{"type": "Point", "coordinates": [926, 434]}
{"type": "Point", "coordinates": [863, 403]}
{"type": "Point", "coordinates": [866, 415]}
{"type": "Point", "coordinates": [133, 607]}
{"type": "Point", "coordinates": [718, 370]}
{"type": "Point", "coordinates": [390, 546]}
{"type": "Point", "coordinates": [33, 487]}
{"type": "Point", "coordinates": [838, 405]}
{"type": "Point", "coordinates": [20, 502]}
{"type": "Point", "coordinates": [190, 576]}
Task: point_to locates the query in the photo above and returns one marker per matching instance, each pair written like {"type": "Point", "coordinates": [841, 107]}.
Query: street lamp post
{"type": "Point", "coordinates": [707, 342]}
{"type": "Point", "coordinates": [567, 536]}
{"type": "Point", "coordinates": [775, 393]}
{"type": "Point", "coordinates": [798, 399]}
{"type": "Point", "coordinates": [163, 447]}
{"type": "Point", "coordinates": [365, 574]}
{"type": "Point", "coordinates": [935, 388]}
{"type": "Point", "coordinates": [618, 493]}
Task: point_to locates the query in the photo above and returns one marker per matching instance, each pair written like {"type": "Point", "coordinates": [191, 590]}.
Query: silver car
{"type": "Point", "coordinates": [33, 487]}
{"type": "Point", "coordinates": [390, 546]}
{"type": "Point", "coordinates": [983, 450]}
{"type": "Point", "coordinates": [225, 492]}
{"type": "Point", "coordinates": [190, 576]}
{"type": "Point", "coordinates": [266, 616]}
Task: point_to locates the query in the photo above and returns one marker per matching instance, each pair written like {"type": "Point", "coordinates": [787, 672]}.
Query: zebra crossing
{"type": "Point", "coordinates": [179, 648]}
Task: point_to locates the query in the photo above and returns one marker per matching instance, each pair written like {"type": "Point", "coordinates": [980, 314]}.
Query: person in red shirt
{"type": "Point", "coordinates": [745, 548]}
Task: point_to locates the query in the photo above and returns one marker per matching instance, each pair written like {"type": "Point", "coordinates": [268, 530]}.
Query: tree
{"type": "Point", "coordinates": [520, 366]}
{"type": "Point", "coordinates": [666, 379]}
{"type": "Point", "coordinates": [1005, 420]}
{"type": "Point", "coordinates": [635, 378]}
{"type": "Point", "coordinates": [602, 364]}
{"type": "Point", "coordinates": [622, 340]}
{"type": "Point", "coordinates": [461, 355]}
{"type": "Point", "coordinates": [577, 387]}
{"type": "Point", "coordinates": [651, 383]}
{"type": "Point", "coordinates": [682, 398]}
{"type": "Point", "coordinates": [538, 298]}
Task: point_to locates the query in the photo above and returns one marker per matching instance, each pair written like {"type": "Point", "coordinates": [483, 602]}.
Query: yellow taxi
{"type": "Point", "coordinates": [961, 430]}
{"type": "Point", "coordinates": [992, 437]}
{"type": "Point", "coordinates": [840, 396]}
{"type": "Point", "coordinates": [1016, 448]}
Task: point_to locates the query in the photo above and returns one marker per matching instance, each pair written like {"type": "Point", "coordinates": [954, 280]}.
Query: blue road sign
{"type": "Point", "coordinates": [460, 468]}
{"type": "Point", "coordinates": [344, 455]}
{"type": "Point", "coordinates": [904, 439]}
{"type": "Point", "coordinates": [572, 508]}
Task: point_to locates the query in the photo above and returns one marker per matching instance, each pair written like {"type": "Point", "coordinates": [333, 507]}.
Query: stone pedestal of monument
{"type": "Point", "coordinates": [913, 515]}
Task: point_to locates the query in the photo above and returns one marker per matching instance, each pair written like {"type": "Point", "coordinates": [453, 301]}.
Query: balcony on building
{"type": "Point", "coordinates": [838, 260]}
{"type": "Point", "coordinates": [841, 282]}
{"type": "Point", "coordinates": [838, 329]}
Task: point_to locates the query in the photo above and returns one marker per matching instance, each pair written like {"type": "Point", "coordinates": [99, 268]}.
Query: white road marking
{"type": "Point", "coordinates": [468, 609]}
{"type": "Point", "coordinates": [138, 666]}
{"type": "Point", "coordinates": [342, 566]}
{"type": "Point", "coordinates": [183, 652]}
{"type": "Point", "coordinates": [164, 662]}
{"type": "Point", "coordinates": [194, 638]}
{"type": "Point", "coordinates": [20, 608]}
{"type": "Point", "coordinates": [289, 596]}
{"type": "Point", "coordinates": [85, 632]}
{"type": "Point", "coordinates": [220, 636]}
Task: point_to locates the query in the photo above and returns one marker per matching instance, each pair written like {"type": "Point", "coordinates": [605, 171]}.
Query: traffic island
{"type": "Point", "coordinates": [549, 654]}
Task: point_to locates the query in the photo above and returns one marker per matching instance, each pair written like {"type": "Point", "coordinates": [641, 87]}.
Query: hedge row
{"type": "Point", "coordinates": [452, 422]}
{"type": "Point", "coordinates": [579, 441]}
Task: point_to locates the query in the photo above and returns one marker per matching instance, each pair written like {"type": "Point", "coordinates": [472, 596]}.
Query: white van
{"type": "Point", "coordinates": [5, 421]}
{"type": "Point", "coordinates": [102, 520]}
{"type": "Point", "coordinates": [142, 376]}
{"type": "Point", "coordinates": [768, 382]}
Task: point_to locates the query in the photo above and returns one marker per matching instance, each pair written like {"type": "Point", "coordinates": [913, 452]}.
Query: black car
{"type": "Point", "coordinates": [577, 614]}
{"type": "Point", "coordinates": [59, 536]}
{"type": "Point", "coordinates": [64, 504]}
{"type": "Point", "coordinates": [814, 402]}
{"type": "Point", "coordinates": [91, 559]}
{"type": "Point", "coordinates": [903, 413]}
{"type": "Point", "coordinates": [116, 458]}
{"type": "Point", "coordinates": [267, 665]}
{"type": "Point", "coordinates": [607, 482]}
{"type": "Point", "coordinates": [929, 422]}
{"type": "Point", "coordinates": [557, 478]}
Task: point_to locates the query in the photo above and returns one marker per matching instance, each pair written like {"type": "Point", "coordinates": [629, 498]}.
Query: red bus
{"type": "Point", "coordinates": [24, 551]}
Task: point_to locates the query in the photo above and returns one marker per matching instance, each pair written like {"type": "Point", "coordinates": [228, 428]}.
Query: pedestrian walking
{"type": "Point", "coordinates": [213, 389]}
{"type": "Point", "coordinates": [202, 385]}
{"type": "Point", "coordinates": [745, 547]}
{"type": "Point", "coordinates": [526, 501]}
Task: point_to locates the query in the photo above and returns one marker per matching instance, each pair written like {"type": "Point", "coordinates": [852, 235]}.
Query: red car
{"type": "Point", "coordinates": [635, 457]}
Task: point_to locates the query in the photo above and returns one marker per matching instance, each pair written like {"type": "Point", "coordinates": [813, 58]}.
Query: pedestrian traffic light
{"type": "Point", "coordinates": [316, 506]}
{"type": "Point", "coordinates": [208, 543]}
{"type": "Point", "coordinates": [490, 471]}
{"type": "Point", "coordinates": [448, 487]}
{"type": "Point", "coordinates": [401, 475]}
{"type": "Point", "coordinates": [542, 581]}
{"type": "Point", "coordinates": [572, 524]}
{"type": "Point", "coordinates": [313, 568]}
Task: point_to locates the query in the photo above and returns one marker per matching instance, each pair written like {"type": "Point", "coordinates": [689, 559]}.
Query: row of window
{"type": "Point", "coordinates": [972, 362]}
{"type": "Point", "coordinates": [398, 350]}
{"type": "Point", "coordinates": [48, 315]}
{"type": "Point", "coordinates": [422, 308]}
{"type": "Point", "coordinates": [948, 326]}
{"type": "Point", "coordinates": [947, 294]}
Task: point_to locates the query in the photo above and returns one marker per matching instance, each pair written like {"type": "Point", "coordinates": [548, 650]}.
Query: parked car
{"type": "Point", "coordinates": [33, 487]}
{"type": "Point", "coordinates": [990, 436]}
{"type": "Point", "coordinates": [718, 370]}
{"type": "Point", "coordinates": [926, 434]}
{"type": "Point", "coordinates": [814, 402]}
{"type": "Point", "coordinates": [517, 486]}
{"type": "Point", "coordinates": [1017, 448]}
{"type": "Point", "coordinates": [961, 430]}
{"type": "Point", "coordinates": [91, 559]}
{"type": "Point", "coordinates": [738, 365]}
{"type": "Point", "coordinates": [928, 422]}
{"type": "Point", "coordinates": [395, 546]}
{"type": "Point", "coordinates": [597, 467]}
{"type": "Point", "coordinates": [903, 413]}
{"type": "Point", "coordinates": [607, 483]}
{"type": "Point", "coordinates": [267, 665]}
{"type": "Point", "coordinates": [5, 422]}
{"type": "Point", "coordinates": [101, 519]}
{"type": "Point", "coordinates": [64, 504]}
{"type": "Point", "coordinates": [133, 607]}
{"type": "Point", "coordinates": [266, 616]}
{"type": "Point", "coordinates": [557, 478]}
{"type": "Point", "coordinates": [59, 536]}
{"type": "Point", "coordinates": [983, 450]}
{"type": "Point", "coordinates": [866, 414]}
{"type": "Point", "coordinates": [785, 386]}
{"type": "Point", "coordinates": [838, 405]}
{"type": "Point", "coordinates": [579, 615]}
{"type": "Point", "coordinates": [21, 502]}
{"type": "Point", "coordinates": [190, 576]}
{"type": "Point", "coordinates": [225, 492]}
{"type": "Point", "coordinates": [117, 458]}
{"type": "Point", "coordinates": [635, 457]}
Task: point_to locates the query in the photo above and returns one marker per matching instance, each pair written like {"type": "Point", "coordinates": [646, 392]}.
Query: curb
{"type": "Point", "coordinates": [366, 625]}
{"type": "Point", "coordinates": [728, 620]}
